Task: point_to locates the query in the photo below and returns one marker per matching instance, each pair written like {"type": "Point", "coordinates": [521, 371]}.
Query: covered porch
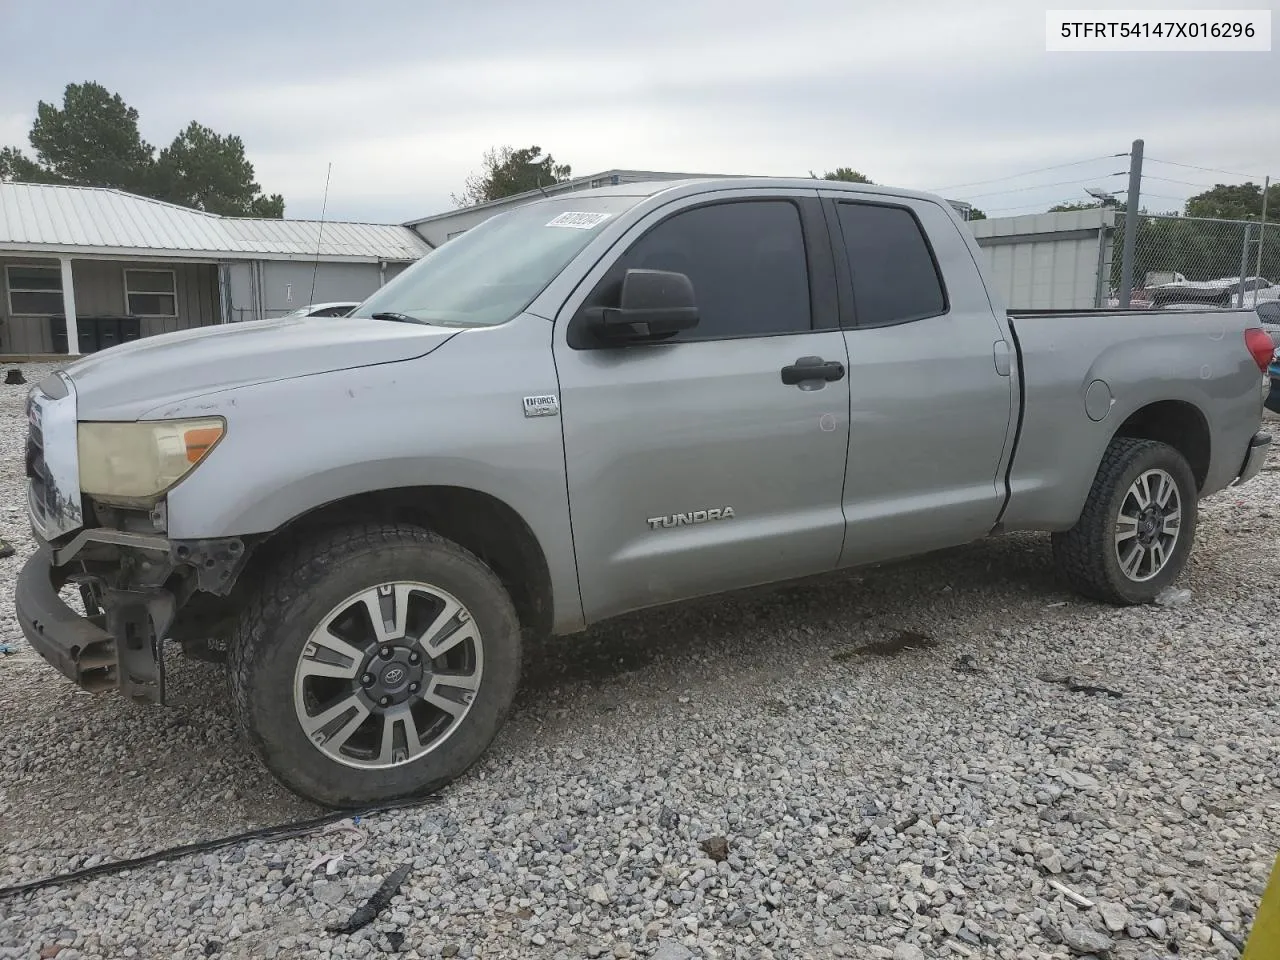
{"type": "Point", "coordinates": [65, 305]}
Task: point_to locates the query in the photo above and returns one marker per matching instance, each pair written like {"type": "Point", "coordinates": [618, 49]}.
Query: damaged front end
{"type": "Point", "coordinates": [132, 586]}
{"type": "Point", "coordinates": [132, 579]}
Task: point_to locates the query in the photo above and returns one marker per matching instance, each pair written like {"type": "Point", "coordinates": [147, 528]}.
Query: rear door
{"type": "Point", "coordinates": [695, 465]}
{"type": "Point", "coordinates": [931, 397]}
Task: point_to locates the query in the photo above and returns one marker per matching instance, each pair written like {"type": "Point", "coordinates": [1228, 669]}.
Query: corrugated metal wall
{"type": "Point", "coordinates": [1048, 261]}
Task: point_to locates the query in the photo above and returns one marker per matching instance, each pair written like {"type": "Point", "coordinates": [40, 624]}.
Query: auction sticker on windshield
{"type": "Point", "coordinates": [579, 221]}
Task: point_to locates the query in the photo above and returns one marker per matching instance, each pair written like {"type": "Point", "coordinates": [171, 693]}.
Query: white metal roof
{"type": "Point", "coordinates": [46, 218]}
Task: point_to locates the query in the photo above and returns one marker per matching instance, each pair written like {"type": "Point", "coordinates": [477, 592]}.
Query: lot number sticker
{"type": "Point", "coordinates": [579, 221]}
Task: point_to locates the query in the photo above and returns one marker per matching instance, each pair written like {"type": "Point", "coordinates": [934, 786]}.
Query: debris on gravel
{"type": "Point", "coordinates": [881, 806]}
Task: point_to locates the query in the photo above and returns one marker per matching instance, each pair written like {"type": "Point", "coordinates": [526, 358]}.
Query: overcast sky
{"type": "Point", "coordinates": [404, 96]}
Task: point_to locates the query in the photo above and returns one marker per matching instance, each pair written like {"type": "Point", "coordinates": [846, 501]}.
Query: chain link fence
{"type": "Point", "coordinates": [1196, 262]}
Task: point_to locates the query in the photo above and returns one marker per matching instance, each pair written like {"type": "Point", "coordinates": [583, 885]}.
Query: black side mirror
{"type": "Point", "coordinates": [653, 304]}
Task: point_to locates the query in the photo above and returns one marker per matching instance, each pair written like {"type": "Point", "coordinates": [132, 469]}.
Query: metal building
{"type": "Point", "coordinates": [82, 268]}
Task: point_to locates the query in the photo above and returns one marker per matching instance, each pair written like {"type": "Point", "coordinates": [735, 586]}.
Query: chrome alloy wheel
{"type": "Point", "coordinates": [388, 675]}
{"type": "Point", "coordinates": [1148, 525]}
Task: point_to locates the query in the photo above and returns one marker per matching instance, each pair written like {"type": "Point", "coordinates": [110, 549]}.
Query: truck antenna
{"type": "Point", "coordinates": [324, 206]}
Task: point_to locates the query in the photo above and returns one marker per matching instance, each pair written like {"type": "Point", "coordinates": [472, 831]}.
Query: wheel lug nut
{"type": "Point", "coordinates": [367, 680]}
{"type": "Point", "coordinates": [413, 688]}
{"type": "Point", "coordinates": [384, 701]}
{"type": "Point", "coordinates": [385, 653]}
{"type": "Point", "coordinates": [414, 658]}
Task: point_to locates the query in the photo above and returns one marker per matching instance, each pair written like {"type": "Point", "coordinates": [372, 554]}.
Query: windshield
{"type": "Point", "coordinates": [491, 273]}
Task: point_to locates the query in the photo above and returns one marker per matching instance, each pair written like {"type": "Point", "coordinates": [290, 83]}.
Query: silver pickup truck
{"type": "Point", "coordinates": [592, 404]}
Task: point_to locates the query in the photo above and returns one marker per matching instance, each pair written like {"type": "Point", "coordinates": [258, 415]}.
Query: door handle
{"type": "Point", "coordinates": [807, 369]}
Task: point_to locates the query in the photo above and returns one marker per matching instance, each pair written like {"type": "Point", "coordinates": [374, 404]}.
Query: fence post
{"type": "Point", "coordinates": [1244, 262]}
{"type": "Point", "coordinates": [1262, 235]}
{"type": "Point", "coordinates": [1130, 224]}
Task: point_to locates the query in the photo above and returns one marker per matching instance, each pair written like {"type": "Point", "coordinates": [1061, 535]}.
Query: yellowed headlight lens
{"type": "Point", "coordinates": [139, 461]}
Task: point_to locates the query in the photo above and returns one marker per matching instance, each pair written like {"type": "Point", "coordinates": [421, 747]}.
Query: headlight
{"type": "Point", "coordinates": [131, 462]}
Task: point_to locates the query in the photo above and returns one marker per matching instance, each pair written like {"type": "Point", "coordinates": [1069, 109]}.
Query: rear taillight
{"type": "Point", "coordinates": [1258, 342]}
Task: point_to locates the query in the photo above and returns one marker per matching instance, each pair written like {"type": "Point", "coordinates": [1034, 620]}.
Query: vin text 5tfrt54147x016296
{"type": "Point", "coordinates": [592, 404]}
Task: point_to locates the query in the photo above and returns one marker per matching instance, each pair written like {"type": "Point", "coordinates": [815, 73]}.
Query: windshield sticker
{"type": "Point", "coordinates": [579, 221]}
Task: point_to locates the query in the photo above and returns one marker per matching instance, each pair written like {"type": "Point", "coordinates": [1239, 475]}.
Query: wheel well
{"type": "Point", "coordinates": [480, 523]}
{"type": "Point", "coordinates": [1179, 424]}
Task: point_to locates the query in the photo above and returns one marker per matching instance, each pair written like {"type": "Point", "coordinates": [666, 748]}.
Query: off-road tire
{"type": "Point", "coordinates": [1086, 554]}
{"type": "Point", "coordinates": [295, 593]}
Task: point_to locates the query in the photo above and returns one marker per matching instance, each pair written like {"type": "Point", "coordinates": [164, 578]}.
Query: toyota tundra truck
{"type": "Point", "coordinates": [592, 404]}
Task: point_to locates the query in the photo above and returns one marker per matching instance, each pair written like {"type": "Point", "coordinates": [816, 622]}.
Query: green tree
{"type": "Point", "coordinates": [847, 174]}
{"type": "Point", "coordinates": [1238, 201]}
{"type": "Point", "coordinates": [976, 214]}
{"type": "Point", "coordinates": [207, 171]}
{"type": "Point", "coordinates": [93, 140]}
{"type": "Point", "coordinates": [16, 165]}
{"type": "Point", "coordinates": [506, 172]}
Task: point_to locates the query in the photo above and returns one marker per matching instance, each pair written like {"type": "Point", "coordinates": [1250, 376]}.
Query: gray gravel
{"type": "Point", "coordinates": [727, 779]}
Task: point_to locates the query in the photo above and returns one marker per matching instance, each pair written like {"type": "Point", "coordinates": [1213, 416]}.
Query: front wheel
{"type": "Point", "coordinates": [374, 663]}
{"type": "Point", "coordinates": [1137, 527]}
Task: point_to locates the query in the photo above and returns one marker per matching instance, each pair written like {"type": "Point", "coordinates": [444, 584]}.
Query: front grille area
{"type": "Point", "coordinates": [39, 482]}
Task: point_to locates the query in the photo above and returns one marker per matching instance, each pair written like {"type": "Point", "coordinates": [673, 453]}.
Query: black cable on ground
{"type": "Point", "coordinates": [282, 831]}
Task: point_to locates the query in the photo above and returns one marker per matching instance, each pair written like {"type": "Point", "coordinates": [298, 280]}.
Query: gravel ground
{"type": "Point", "coordinates": [733, 778]}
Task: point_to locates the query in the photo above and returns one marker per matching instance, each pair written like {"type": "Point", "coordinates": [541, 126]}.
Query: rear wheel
{"type": "Point", "coordinates": [1137, 527]}
{"type": "Point", "coordinates": [373, 664]}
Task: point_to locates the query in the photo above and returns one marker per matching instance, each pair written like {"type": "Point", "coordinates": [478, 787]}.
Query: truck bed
{"type": "Point", "coordinates": [1169, 367]}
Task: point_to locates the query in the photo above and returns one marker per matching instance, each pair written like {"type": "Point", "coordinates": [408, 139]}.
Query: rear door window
{"type": "Point", "coordinates": [895, 277]}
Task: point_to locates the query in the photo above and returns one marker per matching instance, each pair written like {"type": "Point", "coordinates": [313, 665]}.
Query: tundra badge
{"type": "Point", "coordinates": [694, 516]}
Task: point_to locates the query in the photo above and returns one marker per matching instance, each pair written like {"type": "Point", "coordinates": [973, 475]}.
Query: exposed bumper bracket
{"type": "Point", "coordinates": [119, 650]}
{"type": "Point", "coordinates": [1254, 457]}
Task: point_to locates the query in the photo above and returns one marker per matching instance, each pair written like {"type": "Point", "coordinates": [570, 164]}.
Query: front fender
{"type": "Point", "coordinates": [452, 418]}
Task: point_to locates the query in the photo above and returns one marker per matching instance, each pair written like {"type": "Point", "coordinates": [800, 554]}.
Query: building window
{"type": "Point", "coordinates": [34, 291]}
{"type": "Point", "coordinates": [150, 293]}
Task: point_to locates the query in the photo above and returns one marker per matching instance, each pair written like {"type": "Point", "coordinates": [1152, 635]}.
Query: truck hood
{"type": "Point", "coordinates": [124, 381]}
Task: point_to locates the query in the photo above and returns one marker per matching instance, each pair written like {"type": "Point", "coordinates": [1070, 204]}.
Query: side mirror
{"type": "Point", "coordinates": [654, 304]}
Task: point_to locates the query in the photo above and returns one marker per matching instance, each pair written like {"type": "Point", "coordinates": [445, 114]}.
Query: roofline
{"type": "Point", "coordinates": [158, 254]}
{"type": "Point", "coordinates": [560, 185]}
{"type": "Point", "coordinates": [192, 211]}
{"type": "Point", "coordinates": [674, 179]}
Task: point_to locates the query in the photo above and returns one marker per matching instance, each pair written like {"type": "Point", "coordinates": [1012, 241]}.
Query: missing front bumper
{"type": "Point", "coordinates": [115, 649]}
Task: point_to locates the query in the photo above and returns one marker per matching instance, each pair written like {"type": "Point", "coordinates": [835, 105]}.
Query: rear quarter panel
{"type": "Point", "coordinates": [1193, 357]}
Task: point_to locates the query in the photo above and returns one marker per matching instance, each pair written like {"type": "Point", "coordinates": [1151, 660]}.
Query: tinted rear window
{"type": "Point", "coordinates": [895, 279]}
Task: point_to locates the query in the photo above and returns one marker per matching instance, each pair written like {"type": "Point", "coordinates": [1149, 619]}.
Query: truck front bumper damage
{"type": "Point", "coordinates": [1254, 457]}
{"type": "Point", "coordinates": [116, 645]}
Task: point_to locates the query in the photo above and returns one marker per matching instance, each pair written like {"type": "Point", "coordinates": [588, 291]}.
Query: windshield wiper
{"type": "Point", "coordinates": [398, 318]}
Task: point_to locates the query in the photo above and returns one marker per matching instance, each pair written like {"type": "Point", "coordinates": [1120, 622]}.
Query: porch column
{"type": "Point", "coordinates": [69, 308]}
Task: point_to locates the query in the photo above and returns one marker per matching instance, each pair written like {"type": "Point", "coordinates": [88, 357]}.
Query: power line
{"type": "Point", "coordinates": [1027, 173]}
{"type": "Point", "coordinates": [1192, 166]}
{"type": "Point", "coordinates": [1185, 183]}
{"type": "Point", "coordinates": [1042, 186]}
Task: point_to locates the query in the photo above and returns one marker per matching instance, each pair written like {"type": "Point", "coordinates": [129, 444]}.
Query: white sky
{"type": "Point", "coordinates": [404, 97]}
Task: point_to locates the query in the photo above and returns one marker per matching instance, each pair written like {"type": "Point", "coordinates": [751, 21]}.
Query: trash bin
{"type": "Point", "coordinates": [95, 333]}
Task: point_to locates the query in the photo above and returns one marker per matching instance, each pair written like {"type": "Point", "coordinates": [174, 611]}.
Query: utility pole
{"type": "Point", "coordinates": [1130, 225]}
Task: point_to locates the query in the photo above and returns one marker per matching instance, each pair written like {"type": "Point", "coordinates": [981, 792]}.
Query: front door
{"type": "Point", "coordinates": [696, 465]}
